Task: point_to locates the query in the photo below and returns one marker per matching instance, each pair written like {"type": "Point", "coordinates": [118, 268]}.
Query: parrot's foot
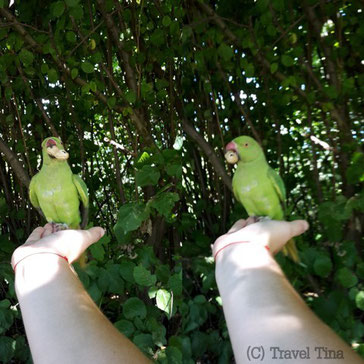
{"type": "Point", "coordinates": [58, 226]}
{"type": "Point", "coordinates": [262, 218]}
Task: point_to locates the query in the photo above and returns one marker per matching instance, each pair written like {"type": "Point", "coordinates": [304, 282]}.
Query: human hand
{"type": "Point", "coordinates": [66, 243]}
{"type": "Point", "coordinates": [273, 234]}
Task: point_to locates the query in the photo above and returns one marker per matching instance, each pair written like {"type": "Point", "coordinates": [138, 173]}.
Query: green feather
{"type": "Point", "coordinates": [257, 186]}
{"type": "Point", "coordinates": [56, 190]}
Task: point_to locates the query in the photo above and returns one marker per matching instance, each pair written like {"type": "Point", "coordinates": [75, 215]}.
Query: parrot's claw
{"type": "Point", "coordinates": [59, 227]}
{"type": "Point", "coordinates": [262, 218]}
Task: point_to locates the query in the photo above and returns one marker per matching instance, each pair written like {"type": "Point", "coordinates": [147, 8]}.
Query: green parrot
{"type": "Point", "coordinates": [257, 186]}
{"type": "Point", "coordinates": [56, 192]}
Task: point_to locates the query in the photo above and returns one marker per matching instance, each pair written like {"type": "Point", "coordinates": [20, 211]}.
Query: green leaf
{"type": "Point", "coordinates": [144, 342]}
{"type": "Point", "coordinates": [134, 307]}
{"type": "Point", "coordinates": [360, 270]}
{"type": "Point", "coordinates": [109, 279]}
{"type": "Point", "coordinates": [5, 304]}
{"type": "Point", "coordinates": [143, 277]}
{"type": "Point", "coordinates": [85, 89]}
{"type": "Point", "coordinates": [225, 52]}
{"type": "Point", "coordinates": [249, 70]}
{"type": "Point", "coordinates": [87, 67]}
{"type": "Point", "coordinates": [346, 277]}
{"type": "Point", "coordinates": [157, 330]}
{"type": "Point", "coordinates": [175, 283]}
{"type": "Point", "coordinates": [164, 203]}
{"type": "Point", "coordinates": [355, 172]}
{"type": "Point", "coordinates": [279, 5]}
{"type": "Point", "coordinates": [130, 96]}
{"type": "Point", "coordinates": [273, 67]}
{"type": "Point", "coordinates": [74, 73]}
{"type": "Point", "coordinates": [287, 60]}
{"type": "Point", "coordinates": [93, 86]}
{"type": "Point", "coordinates": [71, 37]}
{"type": "Point", "coordinates": [359, 300]}
{"type": "Point", "coordinates": [58, 9]}
{"type": "Point", "coordinates": [111, 102]}
{"type": "Point", "coordinates": [322, 266]}
{"type": "Point", "coordinates": [143, 159]}
{"type": "Point", "coordinates": [7, 346]}
{"type": "Point", "coordinates": [44, 68]}
{"type": "Point", "coordinates": [152, 292]}
{"type": "Point", "coordinates": [130, 217]}
{"type": "Point", "coordinates": [72, 3]}
{"type": "Point", "coordinates": [166, 21]}
{"type": "Point", "coordinates": [94, 292]}
{"type": "Point", "coordinates": [331, 92]}
{"type": "Point", "coordinates": [52, 75]}
{"type": "Point", "coordinates": [174, 170]}
{"type": "Point", "coordinates": [200, 299]}
{"type": "Point", "coordinates": [174, 355]}
{"type": "Point", "coordinates": [126, 270]}
{"type": "Point", "coordinates": [26, 57]}
{"type": "Point", "coordinates": [164, 301]}
{"type": "Point", "coordinates": [8, 93]}
{"type": "Point", "coordinates": [97, 251]}
{"type": "Point", "coordinates": [126, 327]}
{"type": "Point", "coordinates": [178, 143]}
{"type": "Point", "coordinates": [77, 12]}
{"type": "Point", "coordinates": [147, 176]}
{"type": "Point", "coordinates": [21, 352]}
{"type": "Point", "coordinates": [157, 37]}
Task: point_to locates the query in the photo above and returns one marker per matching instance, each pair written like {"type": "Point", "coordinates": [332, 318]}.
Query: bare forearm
{"type": "Point", "coordinates": [263, 310]}
{"type": "Point", "coordinates": [63, 324]}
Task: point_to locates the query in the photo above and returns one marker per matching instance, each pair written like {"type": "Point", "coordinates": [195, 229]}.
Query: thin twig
{"type": "Point", "coordinates": [119, 146]}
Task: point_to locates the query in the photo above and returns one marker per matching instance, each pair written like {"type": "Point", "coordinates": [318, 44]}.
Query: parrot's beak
{"type": "Point", "coordinates": [54, 152]}
{"type": "Point", "coordinates": [231, 154]}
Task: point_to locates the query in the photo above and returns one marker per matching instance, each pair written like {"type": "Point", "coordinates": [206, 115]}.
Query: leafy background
{"type": "Point", "coordinates": [145, 95]}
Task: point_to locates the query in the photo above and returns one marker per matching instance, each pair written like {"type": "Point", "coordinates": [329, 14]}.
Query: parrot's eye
{"type": "Point", "coordinates": [246, 145]}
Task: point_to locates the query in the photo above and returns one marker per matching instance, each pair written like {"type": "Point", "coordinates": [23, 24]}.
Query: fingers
{"type": "Point", "coordinates": [35, 235]}
{"type": "Point", "coordinates": [82, 238]}
{"type": "Point", "coordinates": [251, 220]}
{"type": "Point", "coordinates": [237, 226]}
{"type": "Point", "coordinates": [48, 230]}
{"type": "Point", "coordinates": [298, 227]}
{"type": "Point", "coordinates": [93, 235]}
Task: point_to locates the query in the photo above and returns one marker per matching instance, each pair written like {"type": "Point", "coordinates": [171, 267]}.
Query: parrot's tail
{"type": "Point", "coordinates": [82, 260]}
{"type": "Point", "coordinates": [291, 251]}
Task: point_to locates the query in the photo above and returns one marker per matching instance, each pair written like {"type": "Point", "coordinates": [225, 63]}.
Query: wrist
{"type": "Point", "coordinates": [242, 254]}
{"type": "Point", "coordinates": [37, 270]}
{"type": "Point", "coordinates": [29, 254]}
{"type": "Point", "coordinates": [237, 260]}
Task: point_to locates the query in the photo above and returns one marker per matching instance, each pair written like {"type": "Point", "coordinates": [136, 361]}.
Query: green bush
{"type": "Point", "coordinates": [145, 95]}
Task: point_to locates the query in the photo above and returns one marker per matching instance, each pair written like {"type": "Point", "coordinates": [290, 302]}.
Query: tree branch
{"type": "Point", "coordinates": [208, 151]}
{"type": "Point", "coordinates": [123, 55]}
{"type": "Point", "coordinates": [11, 158]}
{"type": "Point", "coordinates": [39, 104]}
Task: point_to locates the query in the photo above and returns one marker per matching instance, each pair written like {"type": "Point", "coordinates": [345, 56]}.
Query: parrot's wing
{"type": "Point", "coordinates": [33, 195]}
{"type": "Point", "coordinates": [83, 193]}
{"type": "Point", "coordinates": [278, 184]}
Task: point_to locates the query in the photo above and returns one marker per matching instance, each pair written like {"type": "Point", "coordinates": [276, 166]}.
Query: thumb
{"type": "Point", "coordinates": [298, 227]}
{"type": "Point", "coordinates": [92, 235]}
{"type": "Point", "coordinates": [35, 235]}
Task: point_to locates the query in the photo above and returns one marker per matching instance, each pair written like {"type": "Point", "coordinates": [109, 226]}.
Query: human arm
{"type": "Point", "coordinates": [62, 323]}
{"type": "Point", "coordinates": [262, 310]}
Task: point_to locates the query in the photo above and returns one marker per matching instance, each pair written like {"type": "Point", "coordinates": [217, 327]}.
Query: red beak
{"type": "Point", "coordinates": [231, 146]}
{"type": "Point", "coordinates": [50, 143]}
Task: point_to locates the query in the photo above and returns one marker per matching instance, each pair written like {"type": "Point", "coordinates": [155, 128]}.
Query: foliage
{"type": "Point", "coordinates": [145, 95]}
